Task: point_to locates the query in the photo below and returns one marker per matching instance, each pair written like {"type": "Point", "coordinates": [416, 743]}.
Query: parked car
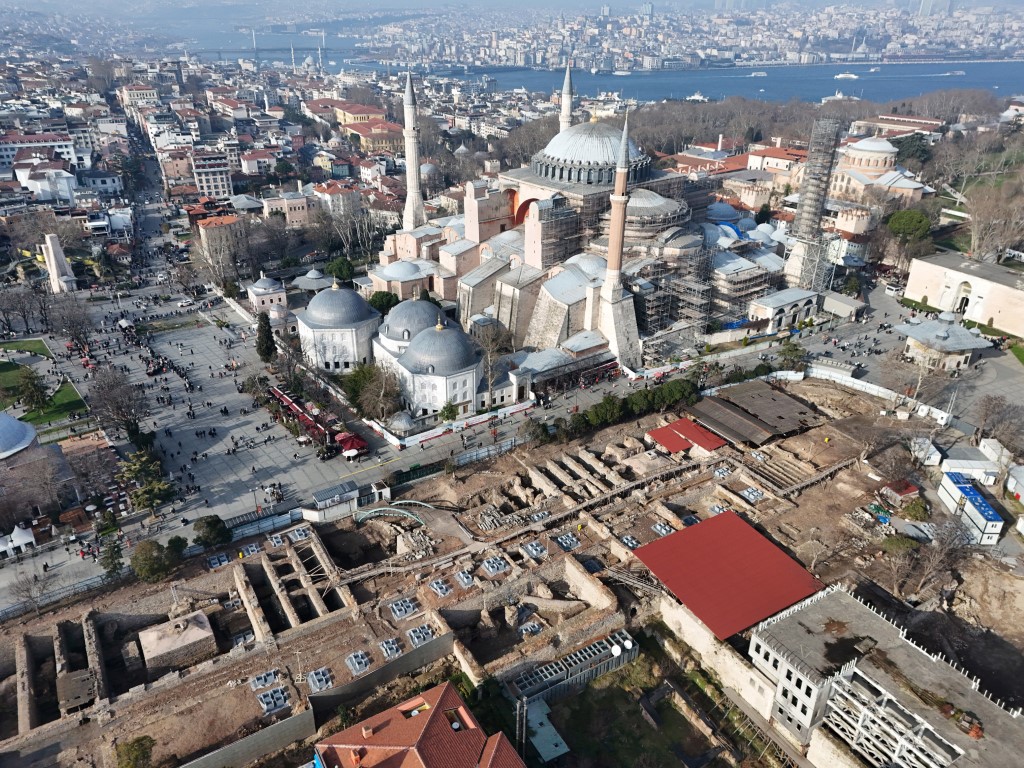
{"type": "Point", "coordinates": [185, 303]}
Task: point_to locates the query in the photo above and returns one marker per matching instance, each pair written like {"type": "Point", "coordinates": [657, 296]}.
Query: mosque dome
{"type": "Point", "coordinates": [267, 284]}
{"type": "Point", "coordinates": [761, 236]}
{"type": "Point", "coordinates": [645, 202]}
{"type": "Point", "coordinates": [767, 228]}
{"type": "Point", "coordinates": [336, 307]}
{"type": "Point", "coordinates": [15, 435]}
{"type": "Point", "coordinates": [428, 169]}
{"type": "Point", "coordinates": [441, 351]}
{"type": "Point", "coordinates": [587, 154]}
{"type": "Point", "coordinates": [746, 224]}
{"type": "Point", "coordinates": [874, 144]}
{"type": "Point", "coordinates": [722, 212]}
{"type": "Point", "coordinates": [408, 319]}
{"type": "Point", "coordinates": [402, 422]}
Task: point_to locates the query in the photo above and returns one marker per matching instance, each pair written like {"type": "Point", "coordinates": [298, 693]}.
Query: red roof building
{"type": "Point", "coordinates": [432, 730]}
{"type": "Point", "coordinates": [683, 434]}
{"type": "Point", "coordinates": [727, 574]}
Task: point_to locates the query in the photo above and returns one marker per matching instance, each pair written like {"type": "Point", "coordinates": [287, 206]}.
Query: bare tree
{"type": "Point", "coordinates": [186, 275]}
{"type": "Point", "coordinates": [948, 548]}
{"type": "Point", "coordinates": [1000, 419]}
{"type": "Point", "coordinates": [997, 218]}
{"type": "Point", "coordinates": [70, 317]}
{"type": "Point", "coordinates": [380, 397]}
{"type": "Point", "coordinates": [495, 340]}
{"type": "Point", "coordinates": [116, 402]}
{"type": "Point", "coordinates": [33, 589]}
{"type": "Point", "coordinates": [898, 567]}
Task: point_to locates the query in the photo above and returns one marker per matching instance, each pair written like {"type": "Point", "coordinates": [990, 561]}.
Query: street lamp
{"type": "Point", "coordinates": [255, 504]}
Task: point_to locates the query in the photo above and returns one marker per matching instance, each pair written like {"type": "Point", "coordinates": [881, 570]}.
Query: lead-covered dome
{"type": "Point", "coordinates": [587, 154]}
{"type": "Point", "coordinates": [15, 435]}
{"type": "Point", "coordinates": [440, 351]}
{"type": "Point", "coordinates": [337, 307]}
{"type": "Point", "coordinates": [407, 320]}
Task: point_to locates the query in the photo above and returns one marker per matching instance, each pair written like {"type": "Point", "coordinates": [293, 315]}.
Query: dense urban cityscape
{"type": "Point", "coordinates": [585, 385]}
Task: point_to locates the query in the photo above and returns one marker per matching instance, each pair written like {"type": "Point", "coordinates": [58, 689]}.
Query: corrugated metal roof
{"type": "Point", "coordinates": [727, 574]}
{"type": "Point", "coordinates": [973, 495]}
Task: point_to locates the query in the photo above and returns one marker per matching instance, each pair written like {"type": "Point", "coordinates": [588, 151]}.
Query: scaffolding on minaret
{"type": "Point", "coordinates": [807, 263]}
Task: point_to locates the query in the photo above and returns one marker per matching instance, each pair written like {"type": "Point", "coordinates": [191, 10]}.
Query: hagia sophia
{"type": "Point", "coordinates": [583, 257]}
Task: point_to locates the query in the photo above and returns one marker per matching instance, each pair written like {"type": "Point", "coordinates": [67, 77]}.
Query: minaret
{"type": "Point", "coordinates": [414, 215]}
{"type": "Point", "coordinates": [565, 117]}
{"type": "Point", "coordinates": [617, 316]}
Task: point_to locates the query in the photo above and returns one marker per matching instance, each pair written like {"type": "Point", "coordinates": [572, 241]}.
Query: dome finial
{"type": "Point", "coordinates": [334, 285]}
{"type": "Point", "coordinates": [623, 164]}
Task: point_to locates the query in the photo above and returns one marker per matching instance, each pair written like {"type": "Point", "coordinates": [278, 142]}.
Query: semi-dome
{"type": "Point", "coordinates": [408, 319]}
{"type": "Point", "coordinates": [15, 435]}
{"type": "Point", "coordinates": [337, 307]}
{"type": "Point", "coordinates": [399, 270]}
{"type": "Point", "coordinates": [720, 211]}
{"type": "Point", "coordinates": [767, 228]}
{"type": "Point", "coordinates": [591, 263]}
{"type": "Point", "coordinates": [441, 350]}
{"type": "Point", "coordinates": [587, 154]}
{"type": "Point", "coordinates": [761, 236]}
{"type": "Point", "coordinates": [645, 202]}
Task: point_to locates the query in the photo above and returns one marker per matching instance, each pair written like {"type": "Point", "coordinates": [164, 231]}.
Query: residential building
{"type": "Point", "coordinates": [212, 174]}
{"type": "Point", "coordinates": [434, 729]}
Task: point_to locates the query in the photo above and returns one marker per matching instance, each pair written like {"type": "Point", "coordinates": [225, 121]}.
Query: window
{"type": "Point", "coordinates": [765, 656]}
{"type": "Point", "coordinates": [789, 676]}
{"type": "Point", "coordinates": [785, 693]}
{"type": "Point", "coordinates": [757, 648]}
{"type": "Point", "coordinates": [803, 709]}
{"type": "Point", "coordinates": [775, 663]}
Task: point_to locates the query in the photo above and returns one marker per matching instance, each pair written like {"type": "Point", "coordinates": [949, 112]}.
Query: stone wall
{"type": "Point", "coordinates": [828, 752]}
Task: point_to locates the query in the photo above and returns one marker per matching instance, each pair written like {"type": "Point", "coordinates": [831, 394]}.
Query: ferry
{"type": "Point", "coordinates": [847, 76]}
{"type": "Point", "coordinates": [875, 69]}
{"type": "Point", "coordinates": [955, 73]}
{"type": "Point", "coordinates": [600, 71]}
{"type": "Point", "coordinates": [698, 97]}
{"type": "Point", "coordinates": [839, 96]}
{"type": "Point", "coordinates": [758, 74]}
{"type": "Point", "coordinates": [622, 72]}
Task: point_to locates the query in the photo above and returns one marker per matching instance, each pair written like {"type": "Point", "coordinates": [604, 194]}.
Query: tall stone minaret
{"type": "Point", "coordinates": [565, 116]}
{"type": "Point", "coordinates": [414, 215]}
{"type": "Point", "coordinates": [617, 321]}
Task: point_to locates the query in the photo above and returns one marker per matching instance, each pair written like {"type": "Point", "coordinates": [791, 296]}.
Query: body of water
{"type": "Point", "coordinates": [805, 83]}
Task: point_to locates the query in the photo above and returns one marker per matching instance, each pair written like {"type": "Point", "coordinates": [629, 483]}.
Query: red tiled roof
{"type": "Point", "coordinates": [394, 739]}
{"type": "Point", "coordinates": [669, 439]}
{"type": "Point", "coordinates": [694, 433]}
{"type": "Point", "coordinates": [781, 153]}
{"type": "Point", "coordinates": [727, 574]}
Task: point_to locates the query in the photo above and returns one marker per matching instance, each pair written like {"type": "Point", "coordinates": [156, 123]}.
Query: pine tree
{"type": "Point", "coordinates": [265, 346]}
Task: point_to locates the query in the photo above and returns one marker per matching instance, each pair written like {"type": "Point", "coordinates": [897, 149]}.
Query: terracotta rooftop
{"type": "Point", "coordinates": [432, 730]}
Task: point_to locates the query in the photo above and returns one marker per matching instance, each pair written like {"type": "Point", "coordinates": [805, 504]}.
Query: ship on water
{"type": "Point", "coordinates": [621, 72]}
{"type": "Point", "coordinates": [698, 97]}
{"type": "Point", "coordinates": [847, 76]}
{"type": "Point", "coordinates": [758, 74]}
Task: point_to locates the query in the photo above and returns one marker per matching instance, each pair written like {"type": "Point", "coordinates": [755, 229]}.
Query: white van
{"type": "Point", "coordinates": [894, 290]}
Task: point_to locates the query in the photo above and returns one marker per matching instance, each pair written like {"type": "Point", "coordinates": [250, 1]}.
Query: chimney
{"type": "Point", "coordinates": [367, 731]}
{"type": "Point", "coordinates": [298, 183]}
{"type": "Point", "coordinates": [720, 138]}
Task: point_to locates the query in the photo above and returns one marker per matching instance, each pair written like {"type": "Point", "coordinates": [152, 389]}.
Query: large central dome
{"type": "Point", "coordinates": [337, 308]}
{"type": "Point", "coordinates": [587, 154]}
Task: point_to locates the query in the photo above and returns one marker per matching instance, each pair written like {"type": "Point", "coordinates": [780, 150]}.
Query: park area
{"type": "Point", "coordinates": [22, 383]}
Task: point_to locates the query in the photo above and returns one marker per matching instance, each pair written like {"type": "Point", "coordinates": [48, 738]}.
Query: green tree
{"type": "Point", "coordinates": [176, 548]}
{"type": "Point", "coordinates": [112, 559]}
{"type": "Point", "coordinates": [448, 411]}
{"type": "Point", "coordinates": [916, 510]}
{"type": "Point", "coordinates": [909, 225]}
{"type": "Point", "coordinates": [913, 150]}
{"type": "Point", "coordinates": [608, 411]}
{"type": "Point", "coordinates": [283, 168]}
{"type": "Point", "coordinates": [137, 753]}
{"type": "Point", "coordinates": [899, 544]}
{"type": "Point", "coordinates": [791, 353]}
{"type": "Point", "coordinates": [151, 561]}
{"type": "Point", "coordinates": [340, 268]}
{"type": "Point", "coordinates": [852, 286]}
{"type": "Point", "coordinates": [265, 346]}
{"type": "Point", "coordinates": [383, 301]}
{"type": "Point", "coordinates": [32, 389]}
{"type": "Point", "coordinates": [764, 214]}
{"type": "Point", "coordinates": [211, 531]}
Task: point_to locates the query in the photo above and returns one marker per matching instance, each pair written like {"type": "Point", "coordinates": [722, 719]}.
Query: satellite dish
{"type": "Point", "coordinates": [414, 713]}
{"type": "Point", "coordinates": [455, 726]}
{"type": "Point", "coordinates": [616, 651]}
{"type": "Point", "coordinates": [628, 644]}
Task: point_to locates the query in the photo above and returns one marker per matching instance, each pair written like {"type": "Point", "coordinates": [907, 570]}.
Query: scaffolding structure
{"type": "Point", "coordinates": [808, 265]}
{"type": "Point", "coordinates": [734, 290]}
{"type": "Point", "coordinates": [678, 310]}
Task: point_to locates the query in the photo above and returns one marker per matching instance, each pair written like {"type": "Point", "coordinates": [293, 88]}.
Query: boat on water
{"type": "Point", "coordinates": [699, 97]}
{"type": "Point", "coordinates": [875, 69]}
{"type": "Point", "coordinates": [600, 71]}
{"type": "Point", "coordinates": [955, 73]}
{"type": "Point", "coordinates": [839, 96]}
{"type": "Point", "coordinates": [758, 74]}
{"type": "Point", "coordinates": [847, 76]}
{"type": "Point", "coordinates": [622, 72]}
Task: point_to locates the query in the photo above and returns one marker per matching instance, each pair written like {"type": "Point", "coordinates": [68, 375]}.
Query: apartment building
{"type": "Point", "coordinates": [212, 174]}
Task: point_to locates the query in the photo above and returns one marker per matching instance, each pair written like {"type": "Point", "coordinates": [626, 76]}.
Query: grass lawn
{"type": "Point", "coordinates": [64, 402]}
{"type": "Point", "coordinates": [8, 381]}
{"type": "Point", "coordinates": [35, 346]}
{"type": "Point", "coordinates": [1018, 352]}
{"type": "Point", "coordinates": [987, 330]}
{"type": "Point", "coordinates": [604, 728]}
{"type": "Point", "coordinates": [911, 304]}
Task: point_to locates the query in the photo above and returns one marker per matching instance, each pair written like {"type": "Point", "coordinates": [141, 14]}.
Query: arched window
{"type": "Point", "coordinates": [405, 335]}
